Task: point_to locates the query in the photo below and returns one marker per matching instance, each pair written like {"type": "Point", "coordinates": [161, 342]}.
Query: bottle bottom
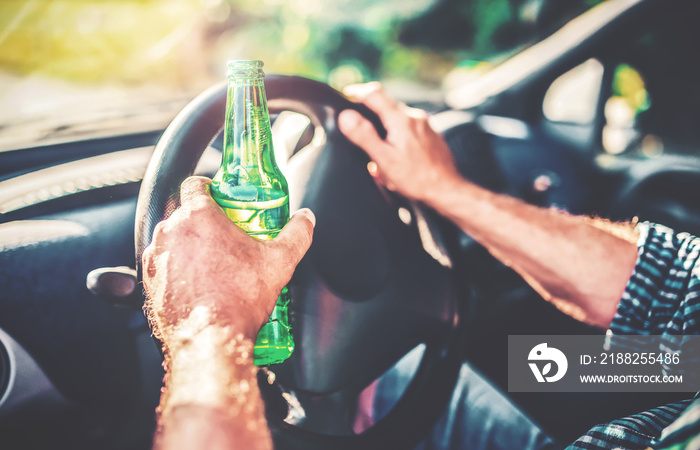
{"type": "Point", "coordinates": [275, 342]}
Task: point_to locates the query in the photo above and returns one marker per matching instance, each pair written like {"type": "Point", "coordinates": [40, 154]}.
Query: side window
{"type": "Point", "coordinates": [654, 105]}
{"type": "Point", "coordinates": [629, 98]}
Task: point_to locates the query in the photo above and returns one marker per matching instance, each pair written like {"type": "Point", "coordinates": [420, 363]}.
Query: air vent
{"type": "Point", "coordinates": [112, 169]}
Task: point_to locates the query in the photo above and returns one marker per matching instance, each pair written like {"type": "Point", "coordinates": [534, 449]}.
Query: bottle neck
{"type": "Point", "coordinates": [248, 133]}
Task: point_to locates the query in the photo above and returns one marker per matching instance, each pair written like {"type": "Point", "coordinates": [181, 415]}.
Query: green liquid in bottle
{"type": "Point", "coordinates": [260, 219]}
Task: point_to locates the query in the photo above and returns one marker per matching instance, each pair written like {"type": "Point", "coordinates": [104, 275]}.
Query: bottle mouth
{"type": "Point", "coordinates": [246, 68]}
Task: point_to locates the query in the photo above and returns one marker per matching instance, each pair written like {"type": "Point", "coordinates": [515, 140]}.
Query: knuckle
{"type": "Point", "coordinates": [416, 113]}
{"type": "Point", "coordinates": [422, 118]}
{"type": "Point", "coordinates": [374, 98]}
{"type": "Point", "coordinates": [196, 210]}
{"type": "Point", "coordinates": [418, 118]}
{"type": "Point", "coordinates": [194, 183]}
{"type": "Point", "coordinates": [192, 188]}
{"type": "Point", "coordinates": [159, 230]}
{"type": "Point", "coordinates": [377, 96]}
{"type": "Point", "coordinates": [364, 126]}
{"type": "Point", "coordinates": [188, 182]}
{"type": "Point", "coordinates": [147, 255]}
{"type": "Point", "coordinates": [374, 87]}
{"type": "Point", "coordinates": [149, 265]}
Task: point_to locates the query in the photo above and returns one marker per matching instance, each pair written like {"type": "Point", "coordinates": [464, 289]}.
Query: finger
{"type": "Point", "coordinates": [372, 93]}
{"type": "Point", "coordinates": [375, 98]}
{"type": "Point", "coordinates": [295, 238]}
{"type": "Point", "coordinates": [376, 173]}
{"type": "Point", "coordinates": [194, 189]}
{"type": "Point", "coordinates": [362, 133]}
{"type": "Point", "coordinates": [373, 169]}
{"type": "Point", "coordinates": [147, 263]}
{"type": "Point", "coordinates": [358, 92]}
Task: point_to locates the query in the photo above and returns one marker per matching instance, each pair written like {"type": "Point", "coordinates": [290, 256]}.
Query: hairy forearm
{"type": "Point", "coordinates": [211, 398]}
{"type": "Point", "coordinates": [208, 321]}
{"type": "Point", "coordinates": [580, 264]}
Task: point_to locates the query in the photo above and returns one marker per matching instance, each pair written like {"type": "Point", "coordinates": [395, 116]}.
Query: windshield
{"type": "Point", "coordinates": [81, 68]}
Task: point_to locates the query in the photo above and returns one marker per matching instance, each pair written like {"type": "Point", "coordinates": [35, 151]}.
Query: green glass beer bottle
{"type": "Point", "coordinates": [252, 190]}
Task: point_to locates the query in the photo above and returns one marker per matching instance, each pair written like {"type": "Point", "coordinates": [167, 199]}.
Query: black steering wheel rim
{"type": "Point", "coordinates": [176, 157]}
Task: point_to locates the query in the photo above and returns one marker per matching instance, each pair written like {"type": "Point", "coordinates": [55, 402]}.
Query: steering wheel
{"type": "Point", "coordinates": [366, 293]}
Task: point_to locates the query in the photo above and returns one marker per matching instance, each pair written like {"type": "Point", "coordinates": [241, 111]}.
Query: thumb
{"type": "Point", "coordinates": [295, 238]}
{"type": "Point", "coordinates": [195, 189]}
{"type": "Point", "coordinates": [362, 133]}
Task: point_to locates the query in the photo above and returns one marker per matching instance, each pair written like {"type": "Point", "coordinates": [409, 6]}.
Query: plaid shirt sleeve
{"type": "Point", "coordinates": [683, 433]}
{"type": "Point", "coordinates": [663, 294]}
{"type": "Point", "coordinates": [662, 298]}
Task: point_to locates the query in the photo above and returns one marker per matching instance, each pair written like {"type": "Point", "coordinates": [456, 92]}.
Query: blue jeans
{"type": "Point", "coordinates": [479, 416]}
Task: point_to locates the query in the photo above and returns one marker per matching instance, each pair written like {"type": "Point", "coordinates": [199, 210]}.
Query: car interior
{"type": "Point", "coordinates": [600, 119]}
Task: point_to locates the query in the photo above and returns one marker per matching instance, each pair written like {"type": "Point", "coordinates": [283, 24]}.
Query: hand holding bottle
{"type": "Point", "coordinates": [198, 243]}
{"type": "Point", "coordinates": [414, 159]}
{"type": "Point", "coordinates": [210, 287]}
